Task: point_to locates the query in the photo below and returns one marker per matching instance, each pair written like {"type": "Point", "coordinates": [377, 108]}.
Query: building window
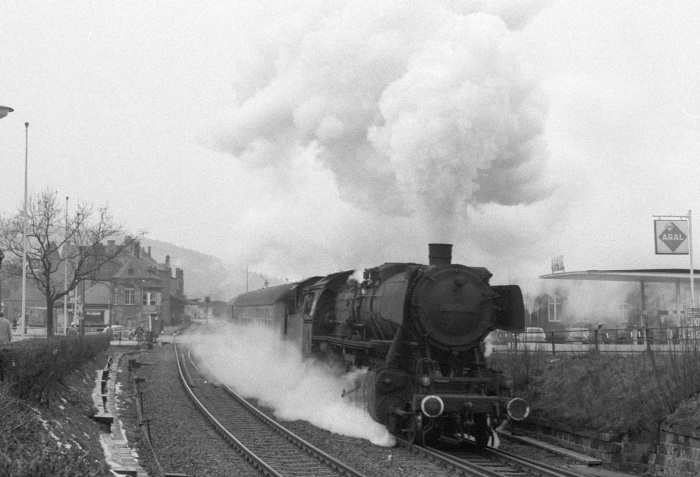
{"type": "Point", "coordinates": [624, 315]}
{"type": "Point", "coordinates": [129, 296]}
{"type": "Point", "coordinates": [150, 298]}
{"type": "Point", "coordinates": [554, 309]}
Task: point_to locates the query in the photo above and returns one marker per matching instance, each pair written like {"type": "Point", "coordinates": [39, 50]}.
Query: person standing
{"type": "Point", "coordinates": [5, 330]}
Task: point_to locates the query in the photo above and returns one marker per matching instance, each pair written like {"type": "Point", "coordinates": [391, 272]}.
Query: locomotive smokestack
{"type": "Point", "coordinates": [440, 253]}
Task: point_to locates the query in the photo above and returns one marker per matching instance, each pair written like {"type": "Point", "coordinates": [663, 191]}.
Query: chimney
{"type": "Point", "coordinates": [167, 261]}
{"type": "Point", "coordinates": [137, 249]}
{"type": "Point", "coordinates": [440, 253]}
{"type": "Point", "coordinates": [149, 250]}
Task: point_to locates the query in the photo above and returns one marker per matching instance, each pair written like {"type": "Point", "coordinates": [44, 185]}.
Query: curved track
{"type": "Point", "coordinates": [267, 446]}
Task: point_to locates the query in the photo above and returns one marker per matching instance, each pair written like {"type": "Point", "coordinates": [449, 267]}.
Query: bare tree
{"type": "Point", "coordinates": [54, 243]}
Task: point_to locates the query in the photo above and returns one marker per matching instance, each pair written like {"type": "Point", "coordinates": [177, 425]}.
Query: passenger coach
{"type": "Point", "coordinates": [275, 307]}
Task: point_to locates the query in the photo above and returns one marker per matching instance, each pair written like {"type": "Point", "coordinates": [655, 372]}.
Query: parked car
{"type": "Point", "coordinates": [579, 335]}
{"type": "Point", "coordinates": [534, 334]}
{"type": "Point", "coordinates": [118, 332]}
{"type": "Point", "coordinates": [500, 337]}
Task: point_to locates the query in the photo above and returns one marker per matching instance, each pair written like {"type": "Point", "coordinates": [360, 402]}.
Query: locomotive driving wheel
{"type": "Point", "coordinates": [414, 428]}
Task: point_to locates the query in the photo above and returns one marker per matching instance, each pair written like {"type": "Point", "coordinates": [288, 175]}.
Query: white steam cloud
{"type": "Point", "coordinates": [420, 109]}
{"type": "Point", "coordinates": [256, 363]}
{"type": "Point", "coordinates": [414, 114]}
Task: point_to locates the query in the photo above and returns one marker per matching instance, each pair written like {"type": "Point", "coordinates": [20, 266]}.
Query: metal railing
{"type": "Point", "coordinates": [668, 339]}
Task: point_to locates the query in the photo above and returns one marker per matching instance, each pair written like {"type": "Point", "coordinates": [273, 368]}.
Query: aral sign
{"type": "Point", "coordinates": [671, 237]}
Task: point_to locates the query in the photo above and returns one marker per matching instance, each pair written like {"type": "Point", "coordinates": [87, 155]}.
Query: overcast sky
{"type": "Point", "coordinates": [310, 137]}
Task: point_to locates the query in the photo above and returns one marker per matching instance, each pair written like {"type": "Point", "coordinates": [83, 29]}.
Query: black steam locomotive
{"type": "Point", "coordinates": [420, 331]}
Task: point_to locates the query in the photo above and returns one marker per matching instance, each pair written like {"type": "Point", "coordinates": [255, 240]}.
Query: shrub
{"type": "Point", "coordinates": [32, 367]}
{"type": "Point", "coordinates": [30, 448]}
{"type": "Point", "coordinates": [608, 392]}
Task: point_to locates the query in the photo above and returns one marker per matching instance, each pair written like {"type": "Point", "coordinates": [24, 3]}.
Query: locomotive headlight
{"type": "Point", "coordinates": [518, 409]}
{"type": "Point", "coordinates": [425, 381]}
{"type": "Point", "coordinates": [432, 406]}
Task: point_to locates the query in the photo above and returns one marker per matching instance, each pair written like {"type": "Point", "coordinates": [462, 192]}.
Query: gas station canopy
{"type": "Point", "coordinates": [667, 275]}
{"type": "Point", "coordinates": [641, 276]}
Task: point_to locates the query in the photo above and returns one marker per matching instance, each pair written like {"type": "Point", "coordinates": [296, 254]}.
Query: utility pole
{"type": "Point", "coordinates": [65, 276]}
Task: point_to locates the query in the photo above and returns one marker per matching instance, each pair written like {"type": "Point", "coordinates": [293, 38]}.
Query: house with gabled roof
{"type": "Point", "coordinates": [144, 291]}
{"type": "Point", "coordinates": [134, 289]}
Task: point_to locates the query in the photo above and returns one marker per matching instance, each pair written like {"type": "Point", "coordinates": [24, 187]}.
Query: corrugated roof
{"type": "Point", "coordinates": [264, 296]}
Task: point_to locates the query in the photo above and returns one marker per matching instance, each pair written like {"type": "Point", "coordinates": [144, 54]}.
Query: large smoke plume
{"type": "Point", "coordinates": [413, 114]}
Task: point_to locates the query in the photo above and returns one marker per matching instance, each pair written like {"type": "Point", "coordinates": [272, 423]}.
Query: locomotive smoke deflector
{"type": "Point", "coordinates": [439, 254]}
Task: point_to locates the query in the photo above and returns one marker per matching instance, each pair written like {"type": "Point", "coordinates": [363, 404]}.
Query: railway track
{"type": "Point", "coordinates": [267, 446]}
{"type": "Point", "coordinates": [493, 463]}
{"type": "Point", "coordinates": [275, 451]}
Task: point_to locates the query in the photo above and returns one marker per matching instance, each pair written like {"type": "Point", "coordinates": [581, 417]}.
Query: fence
{"type": "Point", "coordinates": [625, 340]}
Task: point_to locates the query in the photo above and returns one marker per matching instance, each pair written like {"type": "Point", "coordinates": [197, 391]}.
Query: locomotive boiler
{"type": "Point", "coordinates": [419, 330]}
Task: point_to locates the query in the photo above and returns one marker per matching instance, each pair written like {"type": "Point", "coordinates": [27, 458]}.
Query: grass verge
{"type": "Point", "coordinates": [625, 393]}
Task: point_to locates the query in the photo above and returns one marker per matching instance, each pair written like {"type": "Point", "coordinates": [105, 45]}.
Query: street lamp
{"type": "Point", "coordinates": [24, 230]}
{"type": "Point", "coordinates": [4, 111]}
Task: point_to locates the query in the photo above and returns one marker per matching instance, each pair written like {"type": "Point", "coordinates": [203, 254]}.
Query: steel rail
{"type": "Point", "coordinates": [294, 439]}
{"type": "Point", "coordinates": [248, 455]}
{"type": "Point", "coordinates": [533, 464]}
{"type": "Point", "coordinates": [316, 453]}
{"type": "Point", "coordinates": [461, 466]}
{"type": "Point", "coordinates": [492, 463]}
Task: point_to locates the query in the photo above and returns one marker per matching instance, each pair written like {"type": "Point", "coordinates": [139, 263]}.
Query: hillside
{"type": "Point", "coordinates": [207, 275]}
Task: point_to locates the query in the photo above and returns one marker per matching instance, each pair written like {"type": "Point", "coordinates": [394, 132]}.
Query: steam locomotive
{"type": "Point", "coordinates": [418, 329]}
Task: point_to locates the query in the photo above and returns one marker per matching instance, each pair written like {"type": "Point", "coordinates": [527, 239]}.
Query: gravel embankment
{"type": "Point", "coordinates": [182, 440]}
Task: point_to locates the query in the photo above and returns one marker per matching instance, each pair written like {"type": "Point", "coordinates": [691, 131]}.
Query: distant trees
{"type": "Point", "coordinates": [55, 244]}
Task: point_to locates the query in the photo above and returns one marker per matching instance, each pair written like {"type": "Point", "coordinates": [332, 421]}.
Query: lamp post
{"type": "Point", "coordinates": [24, 230]}
{"type": "Point", "coordinates": [4, 111]}
{"type": "Point", "coordinates": [65, 276]}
